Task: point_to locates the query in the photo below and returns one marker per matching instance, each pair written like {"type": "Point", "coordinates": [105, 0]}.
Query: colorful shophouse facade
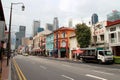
{"type": "Point", "coordinates": [62, 42]}
{"type": "Point", "coordinates": [50, 44]}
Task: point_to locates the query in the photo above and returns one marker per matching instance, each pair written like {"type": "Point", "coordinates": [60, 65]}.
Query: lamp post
{"type": "Point", "coordinates": [9, 35]}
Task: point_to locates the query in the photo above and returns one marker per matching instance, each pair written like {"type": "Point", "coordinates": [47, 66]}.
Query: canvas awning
{"type": "Point", "coordinates": [77, 51]}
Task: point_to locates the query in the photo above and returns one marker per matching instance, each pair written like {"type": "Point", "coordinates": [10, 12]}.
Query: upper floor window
{"type": "Point", "coordinates": [102, 37]}
{"type": "Point", "coordinates": [63, 35]}
{"type": "Point", "coordinates": [95, 38]}
{"type": "Point", "coordinates": [112, 37]}
{"type": "Point", "coordinates": [113, 29]}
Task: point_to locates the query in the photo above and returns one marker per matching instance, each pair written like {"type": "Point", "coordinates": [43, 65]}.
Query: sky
{"type": "Point", "coordinates": [45, 11]}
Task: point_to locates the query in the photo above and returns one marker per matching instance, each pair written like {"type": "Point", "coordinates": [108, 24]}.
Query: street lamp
{"type": "Point", "coordinates": [9, 35]}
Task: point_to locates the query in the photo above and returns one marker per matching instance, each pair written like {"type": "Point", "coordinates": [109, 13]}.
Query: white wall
{"type": "Point", "coordinates": [73, 45]}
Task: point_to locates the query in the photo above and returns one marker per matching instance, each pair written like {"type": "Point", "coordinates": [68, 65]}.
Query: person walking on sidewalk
{"type": "Point", "coordinates": [1, 55]}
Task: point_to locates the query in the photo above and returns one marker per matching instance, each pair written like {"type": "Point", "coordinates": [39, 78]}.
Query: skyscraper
{"type": "Point", "coordinates": [20, 35]}
{"type": "Point", "coordinates": [55, 23]}
{"type": "Point", "coordinates": [49, 27]}
{"type": "Point", "coordinates": [115, 15]}
{"type": "Point", "coordinates": [22, 30]}
{"type": "Point", "coordinates": [36, 25]}
{"type": "Point", "coordinates": [94, 18]}
{"type": "Point", "coordinates": [70, 23]}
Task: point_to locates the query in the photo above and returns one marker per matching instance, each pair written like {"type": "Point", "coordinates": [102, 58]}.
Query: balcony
{"type": "Point", "coordinates": [113, 40]}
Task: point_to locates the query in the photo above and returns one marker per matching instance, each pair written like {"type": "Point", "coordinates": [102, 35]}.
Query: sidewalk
{"type": "Point", "coordinates": [5, 70]}
{"type": "Point", "coordinates": [115, 66]}
{"type": "Point", "coordinates": [65, 59]}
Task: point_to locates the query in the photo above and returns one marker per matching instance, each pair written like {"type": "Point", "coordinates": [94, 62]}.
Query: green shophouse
{"type": "Point", "coordinates": [49, 44]}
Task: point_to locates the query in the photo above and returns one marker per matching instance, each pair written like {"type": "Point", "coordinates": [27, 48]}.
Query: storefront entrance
{"type": "Point", "coordinates": [63, 52]}
{"type": "Point", "coordinates": [116, 50]}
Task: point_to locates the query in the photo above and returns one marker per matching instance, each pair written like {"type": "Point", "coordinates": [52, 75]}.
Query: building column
{"type": "Point", "coordinates": [70, 55]}
{"type": "Point", "coordinates": [59, 54]}
{"type": "Point", "coordinates": [117, 40]}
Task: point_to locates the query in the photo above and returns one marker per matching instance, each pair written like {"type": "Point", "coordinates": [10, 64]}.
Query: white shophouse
{"type": "Point", "coordinates": [113, 31]}
{"type": "Point", "coordinates": [99, 36]}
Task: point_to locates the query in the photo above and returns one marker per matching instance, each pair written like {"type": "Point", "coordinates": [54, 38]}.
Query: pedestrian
{"type": "Point", "coordinates": [1, 54]}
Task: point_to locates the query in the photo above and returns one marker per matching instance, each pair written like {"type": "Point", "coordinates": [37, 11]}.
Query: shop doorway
{"type": "Point", "coordinates": [63, 52]}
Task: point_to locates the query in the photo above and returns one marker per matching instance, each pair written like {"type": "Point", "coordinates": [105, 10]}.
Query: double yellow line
{"type": "Point", "coordinates": [19, 72]}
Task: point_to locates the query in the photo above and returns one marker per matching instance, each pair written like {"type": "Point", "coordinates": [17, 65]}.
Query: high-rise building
{"type": "Point", "coordinates": [115, 15]}
{"type": "Point", "coordinates": [17, 39]}
{"type": "Point", "coordinates": [94, 18]}
{"type": "Point", "coordinates": [22, 30]}
{"type": "Point", "coordinates": [55, 23]}
{"type": "Point", "coordinates": [40, 29]}
{"type": "Point", "coordinates": [70, 23]}
{"type": "Point", "coordinates": [36, 25]}
{"type": "Point", "coordinates": [20, 35]}
{"type": "Point", "coordinates": [49, 27]}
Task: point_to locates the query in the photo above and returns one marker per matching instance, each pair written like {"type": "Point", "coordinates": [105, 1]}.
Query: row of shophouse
{"type": "Point", "coordinates": [62, 42]}
{"type": "Point", "coordinates": [106, 35]}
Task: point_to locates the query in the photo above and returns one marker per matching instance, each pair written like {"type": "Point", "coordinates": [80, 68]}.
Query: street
{"type": "Point", "coordinates": [40, 68]}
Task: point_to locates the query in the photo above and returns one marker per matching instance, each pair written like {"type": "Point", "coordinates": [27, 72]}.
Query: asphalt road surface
{"type": "Point", "coordinates": [39, 68]}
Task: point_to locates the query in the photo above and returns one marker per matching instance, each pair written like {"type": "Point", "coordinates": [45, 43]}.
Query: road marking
{"type": "Point", "coordinates": [95, 77]}
{"type": "Point", "coordinates": [43, 67]}
{"type": "Point", "coordinates": [19, 72]}
{"type": "Point", "coordinates": [103, 72]}
{"type": "Point", "coordinates": [67, 77]}
{"type": "Point", "coordinates": [66, 65]}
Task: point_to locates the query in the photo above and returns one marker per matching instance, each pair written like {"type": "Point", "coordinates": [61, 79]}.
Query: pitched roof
{"type": "Point", "coordinates": [64, 28]}
{"type": "Point", "coordinates": [111, 23]}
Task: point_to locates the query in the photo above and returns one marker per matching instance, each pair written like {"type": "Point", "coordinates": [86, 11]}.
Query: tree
{"type": "Point", "coordinates": [83, 35]}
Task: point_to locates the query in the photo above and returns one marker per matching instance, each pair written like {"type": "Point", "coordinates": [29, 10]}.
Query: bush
{"type": "Point", "coordinates": [117, 59]}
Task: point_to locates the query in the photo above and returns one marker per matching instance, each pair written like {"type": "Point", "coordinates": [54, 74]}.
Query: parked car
{"type": "Point", "coordinates": [25, 54]}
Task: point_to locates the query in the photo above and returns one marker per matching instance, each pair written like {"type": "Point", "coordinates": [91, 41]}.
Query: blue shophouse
{"type": "Point", "coordinates": [50, 44]}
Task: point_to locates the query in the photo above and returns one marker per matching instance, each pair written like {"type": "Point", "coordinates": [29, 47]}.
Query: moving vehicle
{"type": "Point", "coordinates": [96, 55]}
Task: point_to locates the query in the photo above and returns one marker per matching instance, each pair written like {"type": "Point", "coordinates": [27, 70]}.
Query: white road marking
{"type": "Point", "coordinates": [66, 65]}
{"type": "Point", "coordinates": [95, 77]}
{"type": "Point", "coordinates": [103, 72]}
{"type": "Point", "coordinates": [67, 77]}
{"type": "Point", "coordinates": [43, 67]}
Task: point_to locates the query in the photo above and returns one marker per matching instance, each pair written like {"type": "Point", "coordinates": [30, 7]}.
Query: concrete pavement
{"type": "Point", "coordinates": [5, 70]}
{"type": "Point", "coordinates": [115, 66]}
{"type": "Point", "coordinates": [41, 68]}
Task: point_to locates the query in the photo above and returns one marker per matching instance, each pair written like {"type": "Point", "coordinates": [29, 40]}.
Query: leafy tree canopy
{"type": "Point", "coordinates": [83, 35]}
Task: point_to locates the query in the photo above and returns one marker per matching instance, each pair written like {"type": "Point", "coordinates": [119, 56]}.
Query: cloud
{"type": "Point", "coordinates": [46, 10]}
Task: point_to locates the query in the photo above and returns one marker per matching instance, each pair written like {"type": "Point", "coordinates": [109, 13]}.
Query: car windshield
{"type": "Point", "coordinates": [108, 53]}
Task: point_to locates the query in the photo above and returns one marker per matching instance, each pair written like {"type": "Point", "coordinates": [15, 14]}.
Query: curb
{"type": "Point", "coordinates": [9, 76]}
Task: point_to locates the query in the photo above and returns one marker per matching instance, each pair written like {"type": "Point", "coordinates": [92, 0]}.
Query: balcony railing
{"type": "Point", "coordinates": [113, 40]}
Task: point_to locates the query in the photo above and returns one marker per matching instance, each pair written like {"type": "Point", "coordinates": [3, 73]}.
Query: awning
{"type": "Point", "coordinates": [62, 49]}
{"type": "Point", "coordinates": [78, 51]}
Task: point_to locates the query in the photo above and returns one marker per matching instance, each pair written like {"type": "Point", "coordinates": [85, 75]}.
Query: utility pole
{"type": "Point", "coordinates": [9, 34]}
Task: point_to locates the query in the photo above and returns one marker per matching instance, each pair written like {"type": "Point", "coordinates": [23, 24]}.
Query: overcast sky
{"type": "Point", "coordinates": [46, 10]}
